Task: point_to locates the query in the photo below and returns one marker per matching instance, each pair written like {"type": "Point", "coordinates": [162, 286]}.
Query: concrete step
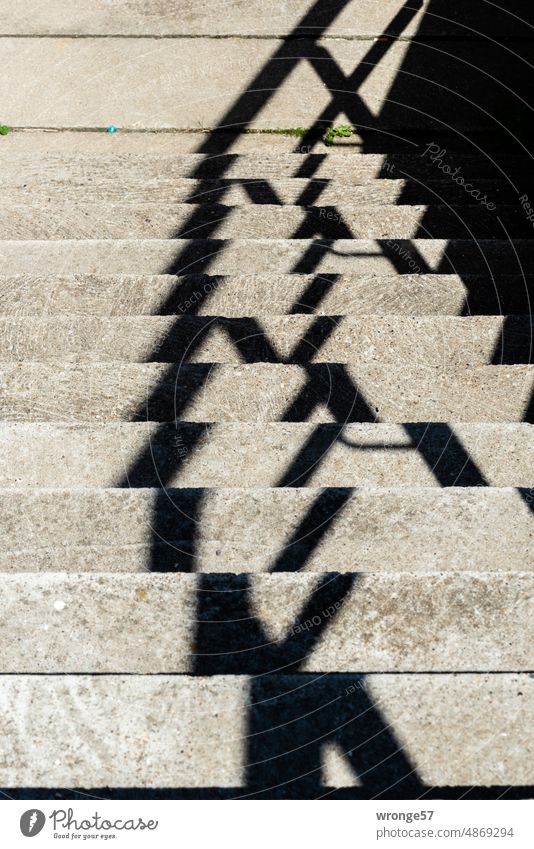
{"type": "Point", "coordinates": [246, 735]}
{"type": "Point", "coordinates": [145, 454]}
{"type": "Point", "coordinates": [40, 187]}
{"type": "Point", "coordinates": [263, 83]}
{"type": "Point", "coordinates": [23, 220]}
{"type": "Point", "coordinates": [263, 392]}
{"type": "Point", "coordinates": [253, 530]}
{"type": "Point", "coordinates": [104, 172]}
{"type": "Point", "coordinates": [216, 624]}
{"type": "Point", "coordinates": [363, 19]}
{"type": "Point", "coordinates": [279, 256]}
{"type": "Point", "coordinates": [239, 295]}
{"type": "Point", "coordinates": [431, 341]}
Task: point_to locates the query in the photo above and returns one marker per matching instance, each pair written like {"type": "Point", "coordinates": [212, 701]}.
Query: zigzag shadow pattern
{"type": "Point", "coordinates": [287, 729]}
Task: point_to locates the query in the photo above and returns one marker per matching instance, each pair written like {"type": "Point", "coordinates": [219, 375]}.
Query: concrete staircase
{"type": "Point", "coordinates": [266, 428]}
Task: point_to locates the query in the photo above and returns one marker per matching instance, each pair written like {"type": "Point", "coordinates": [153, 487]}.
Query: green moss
{"type": "Point", "coordinates": [341, 131]}
{"type": "Point", "coordinates": [296, 132]}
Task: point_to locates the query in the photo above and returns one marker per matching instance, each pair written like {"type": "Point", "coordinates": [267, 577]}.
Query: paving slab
{"type": "Point", "coordinates": [191, 140]}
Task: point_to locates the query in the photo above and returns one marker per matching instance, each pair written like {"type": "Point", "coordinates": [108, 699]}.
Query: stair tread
{"type": "Point", "coordinates": [255, 529]}
{"type": "Point", "coordinates": [235, 295]}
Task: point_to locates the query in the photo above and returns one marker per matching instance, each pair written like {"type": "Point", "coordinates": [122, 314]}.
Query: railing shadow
{"type": "Point", "coordinates": [435, 94]}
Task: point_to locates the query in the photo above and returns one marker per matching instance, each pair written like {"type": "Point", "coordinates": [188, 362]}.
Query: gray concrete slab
{"type": "Point", "coordinates": [404, 622]}
{"type": "Point", "coordinates": [248, 530]}
{"type": "Point", "coordinates": [167, 731]}
{"type": "Point", "coordinates": [299, 454]}
{"type": "Point", "coordinates": [165, 17]}
{"type": "Point", "coordinates": [192, 140]}
{"type": "Point", "coordinates": [103, 220]}
{"type": "Point", "coordinates": [205, 83]}
{"type": "Point", "coordinates": [282, 256]}
{"type": "Point", "coordinates": [262, 392]}
{"type": "Point", "coordinates": [105, 169]}
{"type": "Point", "coordinates": [443, 341]}
{"type": "Point", "coordinates": [262, 294]}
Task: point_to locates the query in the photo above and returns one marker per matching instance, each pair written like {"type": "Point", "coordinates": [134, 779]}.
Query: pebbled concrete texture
{"type": "Point", "coordinates": [369, 529]}
{"type": "Point", "coordinates": [238, 295]}
{"type": "Point", "coordinates": [207, 83]}
{"type": "Point", "coordinates": [151, 170]}
{"type": "Point", "coordinates": [162, 17]}
{"type": "Point", "coordinates": [297, 454]}
{"type": "Point", "coordinates": [167, 731]}
{"type": "Point", "coordinates": [282, 256]}
{"type": "Point", "coordinates": [177, 534]}
{"type": "Point", "coordinates": [244, 191]}
{"type": "Point", "coordinates": [154, 221]}
{"type": "Point", "coordinates": [262, 392]}
{"type": "Point", "coordinates": [434, 341]}
{"type": "Point", "coordinates": [170, 623]}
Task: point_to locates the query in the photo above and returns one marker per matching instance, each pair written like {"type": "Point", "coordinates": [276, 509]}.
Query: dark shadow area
{"type": "Point", "coordinates": [230, 639]}
{"type": "Point", "coordinates": [461, 86]}
{"type": "Point", "coordinates": [289, 729]}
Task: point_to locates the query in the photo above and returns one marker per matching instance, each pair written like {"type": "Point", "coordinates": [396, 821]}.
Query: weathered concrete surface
{"type": "Point", "coordinates": [103, 220]}
{"type": "Point", "coordinates": [282, 256]}
{"type": "Point", "coordinates": [167, 731]}
{"type": "Point", "coordinates": [158, 170]}
{"type": "Point", "coordinates": [292, 454]}
{"type": "Point", "coordinates": [418, 529]}
{"type": "Point", "coordinates": [162, 17]}
{"type": "Point", "coordinates": [427, 341]}
{"type": "Point", "coordinates": [23, 140]}
{"type": "Point", "coordinates": [262, 392]}
{"type": "Point", "coordinates": [204, 83]}
{"type": "Point", "coordinates": [388, 623]}
{"type": "Point", "coordinates": [264, 294]}
{"type": "Point", "coordinates": [244, 191]}
{"type": "Point", "coordinates": [122, 731]}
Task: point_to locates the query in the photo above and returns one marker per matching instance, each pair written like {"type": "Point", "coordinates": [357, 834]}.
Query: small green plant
{"type": "Point", "coordinates": [341, 131]}
{"type": "Point", "coordinates": [4, 130]}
